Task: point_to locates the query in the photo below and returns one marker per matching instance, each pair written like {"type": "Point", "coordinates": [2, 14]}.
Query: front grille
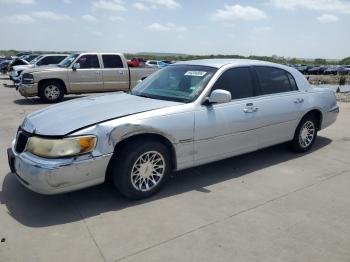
{"type": "Point", "coordinates": [21, 141]}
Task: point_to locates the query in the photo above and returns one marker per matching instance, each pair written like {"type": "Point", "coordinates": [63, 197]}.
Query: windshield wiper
{"type": "Point", "coordinates": [146, 96]}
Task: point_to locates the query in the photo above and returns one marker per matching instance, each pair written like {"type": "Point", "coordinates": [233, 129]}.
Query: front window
{"type": "Point", "coordinates": [88, 61]}
{"type": "Point", "coordinates": [180, 83]}
{"type": "Point", "coordinates": [68, 60]}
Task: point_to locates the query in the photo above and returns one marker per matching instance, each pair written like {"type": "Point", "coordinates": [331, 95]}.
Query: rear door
{"type": "Point", "coordinates": [88, 78]}
{"type": "Point", "coordinates": [228, 129]}
{"type": "Point", "coordinates": [279, 103]}
{"type": "Point", "coordinates": [115, 75]}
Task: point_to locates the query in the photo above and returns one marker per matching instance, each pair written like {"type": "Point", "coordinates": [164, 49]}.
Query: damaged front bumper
{"type": "Point", "coordinates": [54, 176]}
{"type": "Point", "coordinates": [28, 90]}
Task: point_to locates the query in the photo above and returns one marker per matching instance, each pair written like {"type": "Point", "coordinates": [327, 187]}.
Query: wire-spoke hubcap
{"type": "Point", "coordinates": [52, 92]}
{"type": "Point", "coordinates": [307, 133]}
{"type": "Point", "coordinates": [147, 171]}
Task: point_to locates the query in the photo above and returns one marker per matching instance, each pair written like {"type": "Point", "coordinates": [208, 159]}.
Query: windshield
{"type": "Point", "coordinates": [36, 59]}
{"type": "Point", "coordinates": [180, 83]}
{"type": "Point", "coordinates": [68, 60]}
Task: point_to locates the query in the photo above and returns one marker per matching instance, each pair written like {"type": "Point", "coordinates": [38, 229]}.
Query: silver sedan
{"type": "Point", "coordinates": [185, 115]}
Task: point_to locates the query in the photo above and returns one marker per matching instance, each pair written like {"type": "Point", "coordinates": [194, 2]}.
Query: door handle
{"type": "Point", "coordinates": [250, 109]}
{"type": "Point", "coordinates": [98, 72]}
{"type": "Point", "coordinates": [298, 100]}
{"type": "Point", "coordinates": [121, 72]}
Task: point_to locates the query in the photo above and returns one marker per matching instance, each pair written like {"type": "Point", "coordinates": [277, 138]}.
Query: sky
{"type": "Point", "coordinates": [289, 28]}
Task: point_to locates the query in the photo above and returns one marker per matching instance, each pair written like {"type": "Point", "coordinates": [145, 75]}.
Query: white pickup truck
{"type": "Point", "coordinates": [81, 73]}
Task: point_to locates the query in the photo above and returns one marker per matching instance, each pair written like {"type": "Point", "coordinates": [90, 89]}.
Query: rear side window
{"type": "Point", "coordinates": [88, 61]}
{"type": "Point", "coordinates": [238, 81]}
{"type": "Point", "coordinates": [274, 80]}
{"type": "Point", "coordinates": [112, 61]}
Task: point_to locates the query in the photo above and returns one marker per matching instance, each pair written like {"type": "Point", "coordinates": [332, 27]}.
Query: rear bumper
{"type": "Point", "coordinates": [54, 176]}
{"type": "Point", "coordinates": [330, 117]}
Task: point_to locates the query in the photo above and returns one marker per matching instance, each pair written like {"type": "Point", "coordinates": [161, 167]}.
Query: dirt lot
{"type": "Point", "coordinates": [328, 79]}
{"type": "Point", "coordinates": [271, 205]}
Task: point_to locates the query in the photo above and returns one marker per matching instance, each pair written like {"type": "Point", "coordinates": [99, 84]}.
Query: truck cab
{"type": "Point", "coordinates": [82, 73]}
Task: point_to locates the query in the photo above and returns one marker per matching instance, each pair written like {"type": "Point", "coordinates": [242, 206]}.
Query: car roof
{"type": "Point", "coordinates": [223, 62]}
{"type": "Point", "coordinates": [54, 55]}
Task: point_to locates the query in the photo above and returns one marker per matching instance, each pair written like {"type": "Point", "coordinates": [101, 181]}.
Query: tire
{"type": "Point", "coordinates": [51, 92]}
{"type": "Point", "coordinates": [305, 134]}
{"type": "Point", "coordinates": [132, 174]}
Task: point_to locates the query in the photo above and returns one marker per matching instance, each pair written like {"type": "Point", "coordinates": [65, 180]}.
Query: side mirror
{"type": "Point", "coordinates": [219, 96]}
{"type": "Point", "coordinates": [76, 66]}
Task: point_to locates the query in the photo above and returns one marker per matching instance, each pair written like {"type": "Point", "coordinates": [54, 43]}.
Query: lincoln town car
{"type": "Point", "coordinates": [184, 115]}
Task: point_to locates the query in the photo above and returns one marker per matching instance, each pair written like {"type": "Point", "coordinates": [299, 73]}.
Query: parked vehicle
{"type": "Point", "coordinates": [168, 62]}
{"type": "Point", "coordinates": [136, 62]}
{"type": "Point", "coordinates": [156, 64]}
{"type": "Point", "coordinates": [4, 66]}
{"type": "Point", "coordinates": [303, 68]}
{"type": "Point", "coordinates": [81, 73]}
{"type": "Point", "coordinates": [347, 69]}
{"type": "Point", "coordinates": [42, 60]}
{"type": "Point", "coordinates": [184, 115]}
{"type": "Point", "coordinates": [30, 57]}
{"type": "Point", "coordinates": [335, 70]}
{"type": "Point", "coordinates": [316, 70]}
{"type": "Point", "coordinates": [17, 62]}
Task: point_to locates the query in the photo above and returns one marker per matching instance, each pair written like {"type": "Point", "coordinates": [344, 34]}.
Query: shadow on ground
{"type": "Point", "coordinates": [34, 210]}
{"type": "Point", "coordinates": [37, 101]}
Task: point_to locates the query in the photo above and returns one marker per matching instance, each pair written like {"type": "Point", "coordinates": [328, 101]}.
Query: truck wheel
{"type": "Point", "coordinates": [51, 92]}
{"type": "Point", "coordinates": [305, 134]}
{"type": "Point", "coordinates": [140, 169]}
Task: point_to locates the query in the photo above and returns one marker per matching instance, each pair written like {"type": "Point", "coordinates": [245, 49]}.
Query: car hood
{"type": "Point", "coordinates": [22, 67]}
{"type": "Point", "coordinates": [66, 117]}
{"type": "Point", "coordinates": [44, 68]}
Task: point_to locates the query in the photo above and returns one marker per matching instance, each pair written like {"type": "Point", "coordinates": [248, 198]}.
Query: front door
{"type": "Point", "coordinates": [225, 130]}
{"type": "Point", "coordinates": [87, 78]}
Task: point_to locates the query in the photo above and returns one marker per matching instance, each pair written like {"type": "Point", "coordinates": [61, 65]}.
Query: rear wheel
{"type": "Point", "coordinates": [305, 134]}
{"type": "Point", "coordinates": [51, 92]}
{"type": "Point", "coordinates": [140, 169]}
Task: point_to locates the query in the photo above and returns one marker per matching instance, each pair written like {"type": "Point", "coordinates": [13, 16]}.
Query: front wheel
{"type": "Point", "coordinates": [51, 92]}
{"type": "Point", "coordinates": [305, 134]}
{"type": "Point", "coordinates": [140, 169]}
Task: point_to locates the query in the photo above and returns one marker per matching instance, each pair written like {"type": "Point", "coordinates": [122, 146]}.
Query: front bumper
{"type": "Point", "coordinates": [12, 74]}
{"type": "Point", "coordinates": [54, 176]}
{"type": "Point", "coordinates": [16, 79]}
{"type": "Point", "coordinates": [28, 90]}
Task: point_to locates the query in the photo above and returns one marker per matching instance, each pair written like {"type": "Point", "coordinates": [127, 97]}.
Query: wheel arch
{"type": "Point", "coordinates": [42, 81]}
{"type": "Point", "coordinates": [148, 136]}
{"type": "Point", "coordinates": [318, 114]}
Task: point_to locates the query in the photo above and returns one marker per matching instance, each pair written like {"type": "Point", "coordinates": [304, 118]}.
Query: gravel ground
{"type": "Point", "coordinates": [327, 79]}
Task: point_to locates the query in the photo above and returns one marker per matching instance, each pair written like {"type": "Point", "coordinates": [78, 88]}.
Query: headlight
{"type": "Point", "coordinates": [51, 148]}
{"type": "Point", "coordinates": [27, 78]}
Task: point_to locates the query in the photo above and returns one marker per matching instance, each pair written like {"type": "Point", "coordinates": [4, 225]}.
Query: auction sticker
{"type": "Point", "coordinates": [195, 73]}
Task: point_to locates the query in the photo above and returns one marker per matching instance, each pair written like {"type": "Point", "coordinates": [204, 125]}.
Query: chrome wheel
{"type": "Point", "coordinates": [307, 134]}
{"type": "Point", "coordinates": [147, 171]}
{"type": "Point", "coordinates": [52, 92]}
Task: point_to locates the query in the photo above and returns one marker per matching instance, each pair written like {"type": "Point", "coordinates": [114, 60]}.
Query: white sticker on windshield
{"type": "Point", "coordinates": [195, 73]}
